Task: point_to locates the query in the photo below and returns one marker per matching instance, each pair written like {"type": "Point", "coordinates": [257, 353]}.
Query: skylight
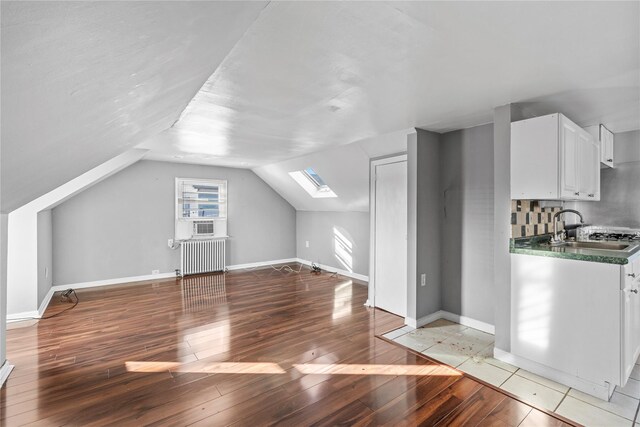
{"type": "Point", "coordinates": [312, 183]}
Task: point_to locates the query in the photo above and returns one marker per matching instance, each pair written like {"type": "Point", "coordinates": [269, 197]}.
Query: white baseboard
{"type": "Point", "coordinates": [463, 320]}
{"type": "Point", "coordinates": [338, 270]}
{"type": "Point", "coordinates": [601, 391]}
{"type": "Point", "coordinates": [17, 317]}
{"type": "Point", "coordinates": [45, 302]}
{"type": "Point", "coordinates": [430, 318]}
{"type": "Point", "coordinates": [117, 281]}
{"type": "Point", "coordinates": [468, 321]}
{"type": "Point", "coordinates": [411, 322]}
{"type": "Point", "coordinates": [5, 370]}
{"type": "Point", "coordinates": [262, 264]}
{"type": "Point", "coordinates": [23, 315]}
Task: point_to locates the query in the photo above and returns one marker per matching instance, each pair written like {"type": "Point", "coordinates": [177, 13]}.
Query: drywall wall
{"type": "Point", "coordinates": [4, 222]}
{"type": "Point", "coordinates": [336, 239]}
{"type": "Point", "coordinates": [45, 254]}
{"type": "Point", "coordinates": [466, 191]}
{"type": "Point", "coordinates": [119, 227]}
{"type": "Point", "coordinates": [22, 260]}
{"type": "Point", "coordinates": [626, 147]}
{"type": "Point", "coordinates": [423, 240]}
{"type": "Point", "coordinates": [502, 117]}
{"type": "Point", "coordinates": [619, 203]}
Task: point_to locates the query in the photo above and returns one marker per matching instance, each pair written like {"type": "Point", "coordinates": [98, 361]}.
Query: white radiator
{"type": "Point", "coordinates": [202, 256]}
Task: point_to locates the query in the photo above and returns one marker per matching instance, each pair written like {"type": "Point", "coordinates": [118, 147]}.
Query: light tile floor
{"type": "Point", "coordinates": [471, 351]}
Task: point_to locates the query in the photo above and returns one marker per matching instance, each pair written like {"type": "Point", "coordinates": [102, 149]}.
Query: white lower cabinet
{"type": "Point", "coordinates": [575, 322]}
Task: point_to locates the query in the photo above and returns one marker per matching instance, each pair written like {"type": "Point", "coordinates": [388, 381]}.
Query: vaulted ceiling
{"type": "Point", "coordinates": [85, 81]}
{"type": "Point", "coordinates": [263, 83]}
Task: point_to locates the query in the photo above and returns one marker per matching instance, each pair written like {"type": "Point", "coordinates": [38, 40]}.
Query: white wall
{"type": "Point", "coordinates": [119, 227]}
{"type": "Point", "coordinates": [325, 232]}
{"type": "Point", "coordinates": [22, 264]}
{"type": "Point", "coordinates": [45, 255]}
{"type": "Point", "coordinates": [466, 191]}
{"type": "Point", "coordinates": [4, 219]}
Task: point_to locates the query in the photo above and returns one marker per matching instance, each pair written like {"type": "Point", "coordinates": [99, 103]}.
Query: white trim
{"type": "Point", "coordinates": [341, 272]}
{"type": "Point", "coordinates": [393, 158]}
{"type": "Point", "coordinates": [5, 370]}
{"type": "Point", "coordinates": [23, 315]}
{"type": "Point", "coordinates": [462, 320]}
{"type": "Point", "coordinates": [411, 322]}
{"type": "Point", "coordinates": [468, 321]}
{"type": "Point", "coordinates": [430, 318]}
{"type": "Point", "coordinates": [45, 302]}
{"type": "Point", "coordinates": [601, 391]}
{"type": "Point", "coordinates": [261, 264]}
{"type": "Point", "coordinates": [117, 281]}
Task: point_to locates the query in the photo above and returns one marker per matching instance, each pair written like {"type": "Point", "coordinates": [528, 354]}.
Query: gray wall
{"type": "Point", "coordinates": [619, 203]}
{"type": "Point", "coordinates": [424, 221]}
{"type": "Point", "coordinates": [45, 254]}
{"type": "Point", "coordinates": [119, 227]}
{"type": "Point", "coordinates": [466, 188]}
{"type": "Point", "coordinates": [502, 118]}
{"type": "Point", "coordinates": [318, 229]}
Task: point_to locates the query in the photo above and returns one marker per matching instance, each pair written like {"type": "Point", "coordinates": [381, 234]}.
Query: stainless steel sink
{"type": "Point", "coordinates": [608, 246]}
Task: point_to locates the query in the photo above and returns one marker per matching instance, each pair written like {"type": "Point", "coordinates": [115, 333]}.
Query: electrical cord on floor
{"type": "Point", "coordinates": [315, 269]}
{"type": "Point", "coordinates": [635, 417]}
{"type": "Point", "coordinates": [287, 269]}
{"type": "Point", "coordinates": [65, 296]}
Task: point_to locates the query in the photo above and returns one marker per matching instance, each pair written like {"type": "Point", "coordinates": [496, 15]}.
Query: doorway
{"type": "Point", "coordinates": [388, 275]}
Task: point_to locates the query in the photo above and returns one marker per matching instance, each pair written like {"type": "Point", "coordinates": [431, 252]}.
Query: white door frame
{"type": "Point", "coordinates": [394, 158]}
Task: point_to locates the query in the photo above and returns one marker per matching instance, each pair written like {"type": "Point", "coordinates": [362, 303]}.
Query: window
{"type": "Point", "coordinates": [201, 199]}
{"type": "Point", "coordinates": [312, 183]}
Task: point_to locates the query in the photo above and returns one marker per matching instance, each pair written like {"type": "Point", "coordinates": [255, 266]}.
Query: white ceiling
{"type": "Point", "coordinates": [310, 75]}
{"type": "Point", "coordinates": [344, 168]}
{"type": "Point", "coordinates": [85, 81]}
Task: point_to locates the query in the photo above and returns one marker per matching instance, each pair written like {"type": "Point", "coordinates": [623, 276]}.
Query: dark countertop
{"type": "Point", "coordinates": [536, 246]}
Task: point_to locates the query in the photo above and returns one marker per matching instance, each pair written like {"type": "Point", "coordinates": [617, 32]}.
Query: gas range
{"type": "Point", "coordinates": [594, 233]}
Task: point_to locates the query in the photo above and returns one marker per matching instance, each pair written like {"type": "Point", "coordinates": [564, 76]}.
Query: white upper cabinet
{"type": "Point", "coordinates": [552, 158]}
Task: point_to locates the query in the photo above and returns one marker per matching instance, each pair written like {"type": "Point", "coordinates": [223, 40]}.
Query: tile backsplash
{"type": "Point", "coordinates": [529, 219]}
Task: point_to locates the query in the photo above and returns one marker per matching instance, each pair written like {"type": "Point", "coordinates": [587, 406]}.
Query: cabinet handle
{"type": "Point", "coordinates": [592, 195]}
{"type": "Point", "coordinates": [577, 193]}
{"type": "Point", "coordinates": [632, 275]}
{"type": "Point", "coordinates": [609, 160]}
{"type": "Point", "coordinates": [635, 291]}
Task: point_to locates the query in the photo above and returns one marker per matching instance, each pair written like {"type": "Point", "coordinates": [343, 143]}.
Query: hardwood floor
{"type": "Point", "coordinates": [245, 349]}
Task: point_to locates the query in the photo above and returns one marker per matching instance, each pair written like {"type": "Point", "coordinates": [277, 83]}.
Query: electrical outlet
{"type": "Point", "coordinates": [306, 244]}
{"type": "Point", "coordinates": [423, 279]}
{"type": "Point", "coordinates": [170, 243]}
{"type": "Point", "coordinates": [155, 272]}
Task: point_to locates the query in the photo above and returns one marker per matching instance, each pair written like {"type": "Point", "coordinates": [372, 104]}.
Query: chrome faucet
{"type": "Point", "coordinates": [559, 237]}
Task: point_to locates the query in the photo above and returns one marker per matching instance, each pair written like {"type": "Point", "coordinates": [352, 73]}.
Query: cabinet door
{"type": "Point", "coordinates": [589, 167]}
{"type": "Point", "coordinates": [569, 156]}
{"type": "Point", "coordinates": [606, 146]}
{"type": "Point", "coordinates": [630, 305]}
